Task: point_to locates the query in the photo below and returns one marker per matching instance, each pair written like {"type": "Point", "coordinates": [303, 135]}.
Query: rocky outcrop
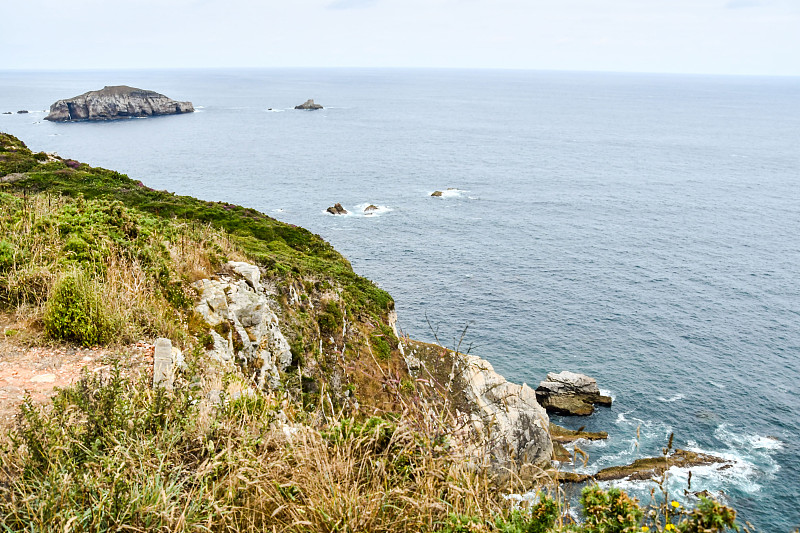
{"type": "Point", "coordinates": [337, 209]}
{"type": "Point", "coordinates": [647, 468]}
{"type": "Point", "coordinates": [650, 467]}
{"type": "Point", "coordinates": [503, 428]}
{"type": "Point", "coordinates": [22, 112]}
{"type": "Point", "coordinates": [436, 193]}
{"type": "Point", "coordinates": [245, 328]}
{"type": "Point", "coordinates": [562, 434]}
{"type": "Point", "coordinates": [568, 393]}
{"type": "Point", "coordinates": [508, 414]}
{"type": "Point", "coordinates": [308, 104]}
{"type": "Point", "coordinates": [370, 208]}
{"type": "Point", "coordinates": [116, 102]}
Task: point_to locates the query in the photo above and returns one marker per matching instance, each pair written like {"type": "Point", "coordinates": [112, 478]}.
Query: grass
{"type": "Point", "coordinates": [111, 454]}
{"type": "Point", "coordinates": [281, 248]}
{"type": "Point", "coordinates": [347, 443]}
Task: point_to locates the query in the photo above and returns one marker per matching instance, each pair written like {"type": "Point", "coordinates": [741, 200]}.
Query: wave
{"type": "Point", "coordinates": [672, 399]}
{"type": "Point", "coordinates": [359, 210]}
{"type": "Point", "coordinates": [750, 466]}
{"type": "Point", "coordinates": [450, 192]}
{"type": "Point", "coordinates": [381, 210]}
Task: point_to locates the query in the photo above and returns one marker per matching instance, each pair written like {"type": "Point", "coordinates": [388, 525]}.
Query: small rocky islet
{"type": "Point", "coordinates": [116, 102]}
{"type": "Point", "coordinates": [309, 105]}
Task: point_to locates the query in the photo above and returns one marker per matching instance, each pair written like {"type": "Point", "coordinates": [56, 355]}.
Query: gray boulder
{"type": "Point", "coordinates": [116, 102]}
{"type": "Point", "coordinates": [246, 329]}
{"type": "Point", "coordinates": [569, 393]}
{"type": "Point", "coordinates": [498, 425]}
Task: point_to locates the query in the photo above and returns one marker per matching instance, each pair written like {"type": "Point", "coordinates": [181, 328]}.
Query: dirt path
{"type": "Point", "coordinates": [38, 371]}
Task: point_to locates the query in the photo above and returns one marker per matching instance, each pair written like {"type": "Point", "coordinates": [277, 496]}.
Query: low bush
{"type": "Point", "coordinates": [75, 312]}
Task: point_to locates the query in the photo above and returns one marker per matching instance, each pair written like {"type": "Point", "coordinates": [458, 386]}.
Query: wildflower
{"type": "Point", "coordinates": [675, 504]}
{"type": "Point", "coordinates": [645, 529]}
{"type": "Point", "coordinates": [669, 527]}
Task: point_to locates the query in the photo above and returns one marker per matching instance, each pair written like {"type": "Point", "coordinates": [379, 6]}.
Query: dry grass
{"type": "Point", "coordinates": [143, 266]}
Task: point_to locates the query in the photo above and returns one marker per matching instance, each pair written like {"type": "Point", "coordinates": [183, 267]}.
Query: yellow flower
{"type": "Point", "coordinates": [675, 504]}
{"type": "Point", "coordinates": [669, 527]}
{"type": "Point", "coordinates": [645, 529]}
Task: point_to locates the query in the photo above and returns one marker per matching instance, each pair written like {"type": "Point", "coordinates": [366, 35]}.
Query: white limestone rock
{"type": "Point", "coordinates": [245, 306]}
{"type": "Point", "coordinates": [115, 102]}
{"type": "Point", "coordinates": [514, 426]}
{"type": "Point", "coordinates": [567, 382]}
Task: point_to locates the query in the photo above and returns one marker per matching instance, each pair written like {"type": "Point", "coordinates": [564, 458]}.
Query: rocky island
{"type": "Point", "coordinates": [116, 102]}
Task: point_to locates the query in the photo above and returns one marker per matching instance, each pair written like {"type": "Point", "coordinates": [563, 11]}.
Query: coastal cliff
{"type": "Point", "coordinates": [116, 102]}
{"type": "Point", "coordinates": [246, 377]}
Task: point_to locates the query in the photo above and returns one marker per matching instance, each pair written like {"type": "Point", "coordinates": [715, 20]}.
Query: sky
{"type": "Point", "coordinates": [758, 37]}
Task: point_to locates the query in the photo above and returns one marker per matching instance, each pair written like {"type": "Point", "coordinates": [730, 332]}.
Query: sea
{"type": "Point", "coordinates": [643, 229]}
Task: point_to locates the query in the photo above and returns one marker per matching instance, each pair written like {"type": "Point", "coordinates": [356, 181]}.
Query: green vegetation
{"type": "Point", "coordinates": [345, 444]}
{"type": "Point", "coordinates": [281, 248]}
{"type": "Point", "coordinates": [75, 312]}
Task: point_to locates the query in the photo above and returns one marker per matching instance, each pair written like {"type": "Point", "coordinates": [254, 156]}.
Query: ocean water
{"type": "Point", "coordinates": [642, 229]}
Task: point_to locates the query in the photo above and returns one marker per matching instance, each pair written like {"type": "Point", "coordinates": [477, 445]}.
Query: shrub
{"type": "Point", "coordinates": [75, 312]}
{"type": "Point", "coordinates": [611, 511]}
{"type": "Point", "coordinates": [709, 517]}
{"type": "Point", "coordinates": [7, 253]}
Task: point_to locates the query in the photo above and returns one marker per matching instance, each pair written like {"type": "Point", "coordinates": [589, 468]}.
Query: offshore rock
{"type": "Point", "coordinates": [308, 104]}
{"type": "Point", "coordinates": [436, 193]}
{"type": "Point", "coordinates": [568, 393]}
{"type": "Point", "coordinates": [337, 209]}
{"type": "Point", "coordinates": [116, 102]}
{"type": "Point", "coordinates": [245, 328]}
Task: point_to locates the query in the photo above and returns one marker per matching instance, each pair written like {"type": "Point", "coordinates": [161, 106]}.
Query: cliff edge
{"type": "Point", "coordinates": [115, 102]}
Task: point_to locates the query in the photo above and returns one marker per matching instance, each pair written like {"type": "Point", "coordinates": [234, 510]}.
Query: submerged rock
{"type": "Point", "coordinates": [337, 209]}
{"type": "Point", "coordinates": [22, 111]}
{"type": "Point", "coordinates": [308, 104]}
{"type": "Point", "coordinates": [568, 393]}
{"type": "Point", "coordinates": [116, 102]}
{"type": "Point", "coordinates": [436, 193]}
{"type": "Point", "coordinates": [643, 469]}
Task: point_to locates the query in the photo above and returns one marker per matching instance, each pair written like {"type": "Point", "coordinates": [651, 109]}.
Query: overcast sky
{"type": "Point", "coordinates": [693, 36]}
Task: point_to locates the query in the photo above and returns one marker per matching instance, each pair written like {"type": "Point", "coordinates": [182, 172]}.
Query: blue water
{"type": "Point", "coordinates": [643, 229]}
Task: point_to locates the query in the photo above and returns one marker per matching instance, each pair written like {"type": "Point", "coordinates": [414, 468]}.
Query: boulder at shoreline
{"type": "Point", "coordinates": [568, 393]}
{"type": "Point", "coordinates": [115, 102]}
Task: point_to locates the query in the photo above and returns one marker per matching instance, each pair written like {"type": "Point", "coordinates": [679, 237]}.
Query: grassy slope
{"type": "Point", "coordinates": [280, 247]}
{"type": "Point", "coordinates": [113, 454]}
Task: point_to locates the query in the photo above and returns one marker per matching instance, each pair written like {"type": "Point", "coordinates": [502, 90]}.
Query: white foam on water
{"type": "Point", "coordinates": [381, 210]}
{"type": "Point", "coordinates": [672, 399]}
{"type": "Point", "coordinates": [755, 444]}
{"type": "Point", "coordinates": [717, 385]}
{"type": "Point", "coordinates": [610, 394]}
{"type": "Point", "coordinates": [450, 192]}
{"type": "Point", "coordinates": [749, 467]}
